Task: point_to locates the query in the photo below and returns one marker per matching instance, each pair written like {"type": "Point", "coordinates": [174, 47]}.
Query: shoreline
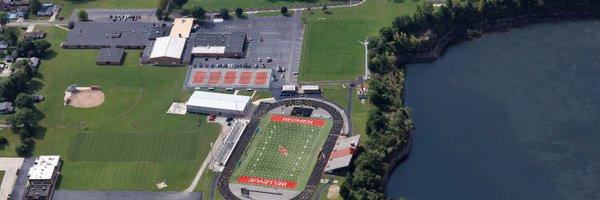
{"type": "Point", "coordinates": [460, 34]}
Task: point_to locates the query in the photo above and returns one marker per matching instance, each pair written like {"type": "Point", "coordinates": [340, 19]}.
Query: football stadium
{"type": "Point", "coordinates": [283, 151]}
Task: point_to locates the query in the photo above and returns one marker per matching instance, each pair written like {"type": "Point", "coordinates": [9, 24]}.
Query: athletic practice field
{"type": "Point", "coordinates": [283, 152]}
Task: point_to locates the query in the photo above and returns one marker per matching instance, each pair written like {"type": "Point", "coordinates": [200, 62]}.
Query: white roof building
{"type": "Point", "coordinates": [208, 50]}
{"type": "Point", "coordinates": [44, 167]}
{"type": "Point", "coordinates": [310, 87]}
{"type": "Point", "coordinates": [288, 88]}
{"type": "Point", "coordinates": [217, 103]}
{"type": "Point", "coordinates": [171, 47]}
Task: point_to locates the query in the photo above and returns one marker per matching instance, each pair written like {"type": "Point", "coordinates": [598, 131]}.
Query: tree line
{"type": "Point", "coordinates": [19, 86]}
{"type": "Point", "coordinates": [427, 31]}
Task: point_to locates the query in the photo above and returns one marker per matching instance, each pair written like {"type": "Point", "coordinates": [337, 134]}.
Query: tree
{"type": "Point", "coordinates": [224, 13]}
{"type": "Point", "coordinates": [24, 100]}
{"type": "Point", "coordinates": [284, 10]}
{"type": "Point", "coordinates": [82, 15]}
{"type": "Point", "coordinates": [199, 13]}
{"type": "Point", "coordinates": [239, 12]}
{"type": "Point", "coordinates": [11, 34]}
{"type": "Point", "coordinates": [3, 141]}
{"type": "Point", "coordinates": [25, 48]}
{"type": "Point", "coordinates": [25, 147]}
{"type": "Point", "coordinates": [324, 8]}
{"type": "Point", "coordinates": [3, 19]}
{"type": "Point", "coordinates": [41, 47]}
{"type": "Point", "coordinates": [159, 13]}
{"type": "Point", "coordinates": [24, 116]}
{"type": "Point", "coordinates": [35, 6]}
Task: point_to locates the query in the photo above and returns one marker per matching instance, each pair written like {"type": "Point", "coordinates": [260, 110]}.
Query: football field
{"type": "Point", "coordinates": [283, 152]}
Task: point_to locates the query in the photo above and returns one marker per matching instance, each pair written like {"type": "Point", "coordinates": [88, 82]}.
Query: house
{"type": "Point", "coordinates": [20, 2]}
{"type": "Point", "coordinates": [10, 59]}
{"type": "Point", "coordinates": [3, 45]}
{"type": "Point", "coordinates": [56, 8]}
{"type": "Point", "coordinates": [34, 34]}
{"type": "Point", "coordinates": [6, 107]}
{"type": "Point", "coordinates": [34, 61]}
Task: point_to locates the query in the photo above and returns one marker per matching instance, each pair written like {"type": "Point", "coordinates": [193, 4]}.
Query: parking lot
{"type": "Point", "coordinates": [114, 15]}
{"type": "Point", "coordinates": [277, 37]}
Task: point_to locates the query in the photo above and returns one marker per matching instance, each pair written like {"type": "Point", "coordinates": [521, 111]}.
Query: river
{"type": "Point", "coordinates": [511, 115]}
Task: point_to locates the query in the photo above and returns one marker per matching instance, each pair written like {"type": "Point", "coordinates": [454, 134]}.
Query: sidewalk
{"type": "Point", "coordinates": [10, 167]}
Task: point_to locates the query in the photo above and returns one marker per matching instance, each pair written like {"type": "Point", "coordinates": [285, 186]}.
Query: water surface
{"type": "Point", "coordinates": [512, 115]}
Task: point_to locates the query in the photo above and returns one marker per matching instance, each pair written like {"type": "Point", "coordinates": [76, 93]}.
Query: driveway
{"type": "Point", "coordinates": [19, 189]}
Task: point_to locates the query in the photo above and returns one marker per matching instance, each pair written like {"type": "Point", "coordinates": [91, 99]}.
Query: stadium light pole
{"type": "Point", "coordinates": [366, 44]}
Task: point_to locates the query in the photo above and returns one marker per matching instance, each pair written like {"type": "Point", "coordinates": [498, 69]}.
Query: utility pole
{"type": "Point", "coordinates": [366, 44]}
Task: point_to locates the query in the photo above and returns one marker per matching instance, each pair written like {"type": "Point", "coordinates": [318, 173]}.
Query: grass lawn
{"type": "Point", "coordinates": [331, 50]}
{"type": "Point", "coordinates": [232, 4]}
{"type": "Point", "coordinates": [261, 94]}
{"type": "Point", "coordinates": [282, 151]}
{"type": "Point", "coordinates": [1, 176]}
{"type": "Point", "coordinates": [204, 185]}
{"type": "Point", "coordinates": [127, 143]}
{"type": "Point", "coordinates": [69, 5]}
{"type": "Point", "coordinates": [360, 111]}
{"type": "Point", "coordinates": [275, 13]}
{"type": "Point", "coordinates": [245, 93]}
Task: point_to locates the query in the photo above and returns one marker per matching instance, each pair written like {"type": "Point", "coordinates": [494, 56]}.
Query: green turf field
{"type": "Point", "coordinates": [263, 158]}
{"type": "Point", "coordinates": [232, 4]}
{"type": "Point", "coordinates": [331, 50]}
{"type": "Point", "coordinates": [127, 143]}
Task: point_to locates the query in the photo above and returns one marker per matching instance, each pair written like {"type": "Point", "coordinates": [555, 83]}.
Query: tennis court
{"type": "Point", "coordinates": [230, 77]}
{"type": "Point", "coordinates": [227, 78]}
{"type": "Point", "coordinates": [199, 77]}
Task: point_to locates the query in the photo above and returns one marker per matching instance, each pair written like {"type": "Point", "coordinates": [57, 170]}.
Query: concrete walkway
{"type": "Point", "coordinates": [199, 174]}
{"type": "Point", "coordinates": [10, 166]}
{"type": "Point", "coordinates": [224, 128]}
{"type": "Point", "coordinates": [325, 187]}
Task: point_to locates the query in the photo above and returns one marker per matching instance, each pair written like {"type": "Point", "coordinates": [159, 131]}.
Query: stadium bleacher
{"type": "Point", "coordinates": [263, 108]}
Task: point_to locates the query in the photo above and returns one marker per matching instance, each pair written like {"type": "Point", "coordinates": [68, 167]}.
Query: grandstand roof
{"type": "Point", "coordinates": [219, 101]}
{"type": "Point", "coordinates": [168, 47]}
{"type": "Point", "coordinates": [44, 167]}
{"type": "Point", "coordinates": [182, 27]}
{"type": "Point", "coordinates": [342, 153]}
